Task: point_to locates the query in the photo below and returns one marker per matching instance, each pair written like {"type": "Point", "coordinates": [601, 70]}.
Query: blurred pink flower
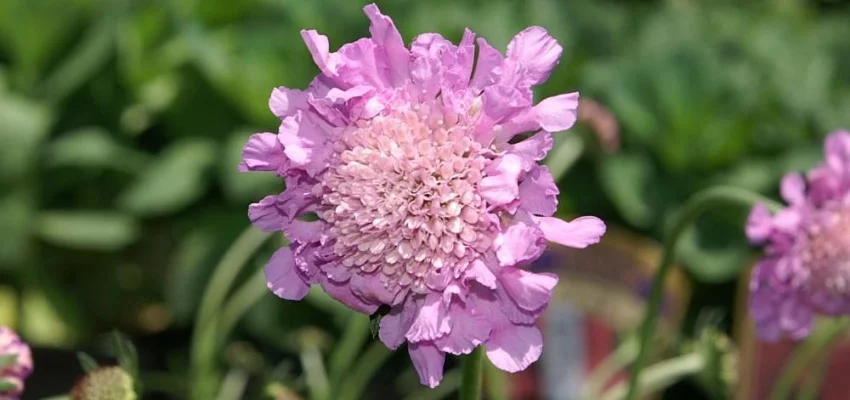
{"type": "Point", "coordinates": [805, 269]}
{"type": "Point", "coordinates": [17, 371]}
{"type": "Point", "coordinates": [428, 197]}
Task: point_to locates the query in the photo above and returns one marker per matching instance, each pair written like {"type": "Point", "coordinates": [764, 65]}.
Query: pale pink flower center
{"type": "Point", "coordinates": [827, 258]}
{"type": "Point", "coordinates": [400, 196]}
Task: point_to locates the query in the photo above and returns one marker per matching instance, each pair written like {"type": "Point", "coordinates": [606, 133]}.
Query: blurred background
{"type": "Point", "coordinates": [122, 122]}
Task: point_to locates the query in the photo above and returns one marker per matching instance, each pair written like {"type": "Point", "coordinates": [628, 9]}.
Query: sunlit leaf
{"type": "Point", "coordinates": [87, 229]}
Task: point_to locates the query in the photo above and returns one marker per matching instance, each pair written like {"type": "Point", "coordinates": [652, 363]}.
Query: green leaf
{"type": "Point", "coordinates": [173, 181]}
{"type": "Point", "coordinates": [711, 262]}
{"type": "Point", "coordinates": [89, 56]}
{"type": "Point", "coordinates": [626, 179]}
{"type": "Point", "coordinates": [239, 186]}
{"type": "Point", "coordinates": [23, 125]}
{"type": "Point", "coordinates": [126, 353]}
{"type": "Point", "coordinates": [16, 216]}
{"type": "Point", "coordinates": [87, 362]}
{"type": "Point", "coordinates": [92, 147]}
{"type": "Point", "coordinates": [87, 230]}
{"type": "Point", "coordinates": [7, 360]}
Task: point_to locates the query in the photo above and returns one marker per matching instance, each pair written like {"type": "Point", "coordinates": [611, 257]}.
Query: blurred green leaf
{"type": "Point", "coordinates": [88, 57]}
{"type": "Point", "coordinates": [712, 263]}
{"type": "Point", "coordinates": [239, 186]}
{"type": "Point", "coordinates": [174, 180]}
{"type": "Point", "coordinates": [23, 126]}
{"type": "Point", "coordinates": [87, 229]}
{"type": "Point", "coordinates": [86, 362]}
{"type": "Point", "coordinates": [16, 216]}
{"type": "Point", "coordinates": [92, 147]}
{"type": "Point", "coordinates": [626, 179]}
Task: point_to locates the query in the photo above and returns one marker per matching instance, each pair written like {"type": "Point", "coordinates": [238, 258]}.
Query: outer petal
{"type": "Point", "coordinates": [529, 290]}
{"type": "Point", "coordinates": [501, 185]}
{"type": "Point", "coordinates": [793, 188]}
{"type": "Point", "coordinates": [538, 193]}
{"type": "Point", "coordinates": [796, 318]}
{"type": "Point", "coordinates": [265, 215]}
{"type": "Point", "coordinates": [320, 50]}
{"type": "Point", "coordinates": [431, 321]}
{"type": "Point", "coordinates": [385, 34]}
{"type": "Point", "coordinates": [284, 102]}
{"type": "Point", "coordinates": [468, 330]}
{"type": "Point", "coordinates": [370, 288]}
{"type": "Point", "coordinates": [557, 113]}
{"type": "Point", "coordinates": [282, 277]}
{"type": "Point", "coordinates": [304, 143]}
{"type": "Point", "coordinates": [479, 272]}
{"type": "Point", "coordinates": [578, 233]}
{"type": "Point", "coordinates": [487, 68]}
{"type": "Point", "coordinates": [342, 293]}
{"type": "Point", "coordinates": [532, 149]}
{"type": "Point", "coordinates": [263, 152]}
{"type": "Point", "coordinates": [759, 224]}
{"type": "Point", "coordinates": [514, 347]}
{"type": "Point", "coordinates": [428, 361]}
{"type": "Point", "coordinates": [396, 324]}
{"type": "Point", "coordinates": [519, 244]}
{"type": "Point", "coordinates": [537, 51]}
{"type": "Point", "coordinates": [837, 148]}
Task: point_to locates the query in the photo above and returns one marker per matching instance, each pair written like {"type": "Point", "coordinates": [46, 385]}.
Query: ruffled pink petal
{"type": "Point", "coordinates": [837, 149]}
{"type": "Point", "coordinates": [431, 321]}
{"type": "Point", "coordinates": [500, 103]}
{"type": "Point", "coordinates": [796, 318]}
{"type": "Point", "coordinates": [459, 72]}
{"type": "Point", "coordinates": [793, 188]}
{"type": "Point", "coordinates": [426, 75]}
{"type": "Point", "coordinates": [479, 272]}
{"type": "Point", "coordinates": [282, 277]}
{"type": "Point", "coordinates": [303, 231]}
{"type": "Point", "coordinates": [557, 113]}
{"type": "Point", "coordinates": [370, 288]}
{"type": "Point", "coordinates": [514, 347]}
{"type": "Point", "coordinates": [265, 214]}
{"type": "Point", "coordinates": [342, 293]}
{"type": "Point", "coordinates": [385, 34]}
{"type": "Point", "coordinates": [501, 185]}
{"type": "Point", "coordinates": [537, 51]}
{"type": "Point", "coordinates": [518, 244]}
{"type": "Point", "coordinates": [538, 193]}
{"type": "Point", "coordinates": [529, 290]}
{"type": "Point", "coordinates": [787, 220]}
{"type": "Point", "coordinates": [532, 149]}
{"type": "Point", "coordinates": [320, 50]}
{"type": "Point", "coordinates": [304, 143]}
{"type": "Point", "coordinates": [284, 102]}
{"type": "Point", "coordinates": [360, 63]}
{"type": "Point", "coordinates": [578, 233]}
{"type": "Point", "coordinates": [396, 324]}
{"type": "Point", "coordinates": [263, 152]}
{"type": "Point", "coordinates": [469, 329]}
{"type": "Point", "coordinates": [759, 224]}
{"type": "Point", "coordinates": [428, 361]}
{"type": "Point", "coordinates": [487, 67]}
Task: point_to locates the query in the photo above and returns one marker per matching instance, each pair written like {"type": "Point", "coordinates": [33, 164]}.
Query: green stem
{"type": "Point", "coordinates": [368, 364]}
{"type": "Point", "coordinates": [698, 204]}
{"type": "Point", "coordinates": [822, 340]}
{"type": "Point", "coordinates": [610, 366]}
{"type": "Point", "coordinates": [204, 336]}
{"type": "Point", "coordinates": [472, 365]}
{"type": "Point", "coordinates": [314, 372]}
{"type": "Point", "coordinates": [345, 352]}
{"type": "Point", "coordinates": [661, 375]}
{"type": "Point", "coordinates": [251, 292]}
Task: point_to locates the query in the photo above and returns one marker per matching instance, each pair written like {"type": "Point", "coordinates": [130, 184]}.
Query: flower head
{"type": "Point", "coordinates": [15, 363]}
{"type": "Point", "coordinates": [422, 185]}
{"type": "Point", "coordinates": [806, 265]}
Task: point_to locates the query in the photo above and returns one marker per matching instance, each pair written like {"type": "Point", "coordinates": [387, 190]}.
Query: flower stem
{"type": "Point", "coordinates": [825, 336]}
{"type": "Point", "coordinates": [698, 204]}
{"type": "Point", "coordinates": [205, 334]}
{"type": "Point", "coordinates": [470, 386]}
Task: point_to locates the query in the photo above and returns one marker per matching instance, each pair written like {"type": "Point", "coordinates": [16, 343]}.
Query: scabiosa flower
{"type": "Point", "coordinates": [413, 182]}
{"type": "Point", "coordinates": [15, 363]}
{"type": "Point", "coordinates": [805, 269]}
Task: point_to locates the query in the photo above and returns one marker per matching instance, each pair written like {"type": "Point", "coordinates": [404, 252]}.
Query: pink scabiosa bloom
{"type": "Point", "coordinates": [15, 363]}
{"type": "Point", "coordinates": [805, 269]}
{"type": "Point", "coordinates": [423, 187]}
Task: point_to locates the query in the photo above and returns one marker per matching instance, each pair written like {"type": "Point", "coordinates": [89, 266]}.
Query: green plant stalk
{"type": "Point", "coordinates": [822, 340]}
{"type": "Point", "coordinates": [314, 372]}
{"type": "Point", "coordinates": [699, 203]}
{"type": "Point", "coordinates": [249, 294]}
{"type": "Point", "coordinates": [625, 353]}
{"type": "Point", "coordinates": [661, 375]}
{"type": "Point", "coordinates": [204, 337]}
{"type": "Point", "coordinates": [355, 383]}
{"type": "Point", "coordinates": [345, 352]}
{"type": "Point", "coordinates": [496, 382]}
{"type": "Point", "coordinates": [473, 368]}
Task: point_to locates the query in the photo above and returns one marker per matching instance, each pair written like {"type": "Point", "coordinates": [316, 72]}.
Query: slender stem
{"type": "Point", "coordinates": [496, 382]}
{"type": "Point", "coordinates": [470, 386]}
{"type": "Point", "coordinates": [610, 366]}
{"type": "Point", "coordinates": [368, 364]}
{"type": "Point", "coordinates": [314, 372]}
{"type": "Point", "coordinates": [661, 375]}
{"type": "Point", "coordinates": [345, 352]}
{"type": "Point", "coordinates": [204, 336]}
{"type": "Point", "coordinates": [822, 340]}
{"type": "Point", "coordinates": [251, 292]}
{"type": "Point", "coordinates": [698, 204]}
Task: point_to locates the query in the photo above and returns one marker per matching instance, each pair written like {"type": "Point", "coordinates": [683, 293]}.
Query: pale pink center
{"type": "Point", "coordinates": [400, 197]}
{"type": "Point", "coordinates": [827, 257]}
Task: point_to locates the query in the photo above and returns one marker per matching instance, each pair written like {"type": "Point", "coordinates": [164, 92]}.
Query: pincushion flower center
{"type": "Point", "coordinates": [827, 258]}
{"type": "Point", "coordinates": [401, 198]}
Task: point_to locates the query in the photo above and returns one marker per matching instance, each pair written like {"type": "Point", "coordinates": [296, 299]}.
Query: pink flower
{"type": "Point", "coordinates": [17, 371]}
{"type": "Point", "coordinates": [805, 269]}
{"type": "Point", "coordinates": [427, 191]}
